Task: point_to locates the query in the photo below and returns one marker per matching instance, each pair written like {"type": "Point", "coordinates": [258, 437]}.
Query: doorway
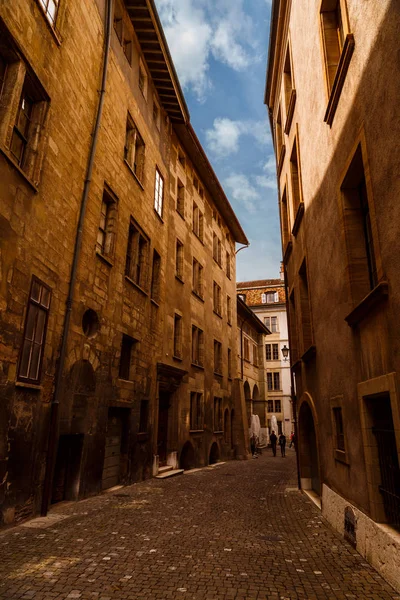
{"type": "Point", "coordinates": [116, 440]}
{"type": "Point", "coordinates": [162, 436]}
{"type": "Point", "coordinates": [308, 450]}
{"type": "Point", "coordinates": [67, 470]}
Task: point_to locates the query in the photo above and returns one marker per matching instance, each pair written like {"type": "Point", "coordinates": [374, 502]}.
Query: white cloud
{"type": "Point", "coordinates": [198, 29]}
{"type": "Point", "coordinates": [224, 136]}
{"type": "Point", "coordinates": [242, 190]}
{"type": "Point", "coordinates": [270, 165]}
{"type": "Point", "coordinates": [266, 181]}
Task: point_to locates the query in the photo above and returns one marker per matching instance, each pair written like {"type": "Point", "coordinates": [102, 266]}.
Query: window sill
{"type": "Point", "coordinates": [298, 219]}
{"type": "Point", "coordinates": [194, 431]}
{"type": "Point", "coordinates": [140, 184]}
{"type": "Point", "coordinates": [29, 386]}
{"type": "Point", "coordinates": [281, 157]}
{"type": "Point", "coordinates": [217, 313]}
{"type": "Point", "coordinates": [180, 214]}
{"type": "Point", "coordinates": [219, 264]}
{"type": "Point", "coordinates": [309, 354]}
{"type": "Point", "coordinates": [179, 278]}
{"type": "Point", "coordinates": [287, 252]}
{"type": "Point", "coordinates": [367, 304]}
{"type": "Point", "coordinates": [198, 237]}
{"type": "Point", "coordinates": [289, 117]}
{"type": "Point", "coordinates": [127, 278]}
{"type": "Point", "coordinates": [159, 216]}
{"type": "Point", "coordinates": [155, 302]}
{"type": "Point", "coordinates": [198, 296]}
{"type": "Point", "coordinates": [53, 31]}
{"type": "Point", "coordinates": [218, 374]}
{"type": "Point", "coordinates": [341, 456]}
{"type": "Point", "coordinates": [197, 365]}
{"type": "Point", "coordinates": [12, 162]}
{"type": "Point", "coordinates": [219, 432]}
{"type": "Point", "coordinates": [104, 259]}
{"type": "Point", "coordinates": [127, 384]}
{"type": "Point", "coordinates": [343, 66]}
{"type": "Point", "coordinates": [142, 436]}
{"type": "Point", "coordinates": [178, 358]}
{"type": "Point", "coordinates": [229, 323]}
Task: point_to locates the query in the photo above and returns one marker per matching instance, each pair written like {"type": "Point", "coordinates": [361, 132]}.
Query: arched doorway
{"type": "Point", "coordinates": [256, 394]}
{"type": "Point", "coordinates": [247, 397]}
{"type": "Point", "coordinates": [187, 459]}
{"type": "Point", "coordinates": [214, 454]}
{"type": "Point", "coordinates": [308, 450]}
{"type": "Point", "coordinates": [233, 439]}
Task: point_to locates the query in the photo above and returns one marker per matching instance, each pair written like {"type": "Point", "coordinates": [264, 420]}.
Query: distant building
{"type": "Point", "coordinates": [332, 91]}
{"type": "Point", "coordinates": [266, 298]}
{"type": "Point", "coordinates": [117, 282]}
{"type": "Point", "coordinates": [251, 335]}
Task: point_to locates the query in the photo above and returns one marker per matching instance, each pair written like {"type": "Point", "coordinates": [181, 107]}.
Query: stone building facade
{"type": "Point", "coordinates": [332, 91]}
{"type": "Point", "coordinates": [251, 335]}
{"type": "Point", "coordinates": [101, 175]}
{"type": "Point", "coordinates": [266, 298]}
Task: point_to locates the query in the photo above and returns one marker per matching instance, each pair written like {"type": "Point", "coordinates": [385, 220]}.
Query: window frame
{"type": "Point", "coordinates": [140, 260]}
{"type": "Point", "coordinates": [178, 337]}
{"type": "Point", "coordinates": [38, 304]}
{"type": "Point", "coordinates": [131, 342]}
{"type": "Point", "coordinates": [132, 148]}
{"type": "Point", "coordinates": [196, 411]}
{"type": "Point", "coordinates": [159, 196]}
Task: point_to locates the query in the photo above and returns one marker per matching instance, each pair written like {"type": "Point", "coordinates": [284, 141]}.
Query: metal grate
{"type": "Point", "coordinates": [390, 474]}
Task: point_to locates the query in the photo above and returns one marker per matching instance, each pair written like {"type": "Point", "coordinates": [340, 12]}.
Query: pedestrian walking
{"type": "Point", "coordinates": [273, 439]}
{"type": "Point", "coordinates": [282, 443]}
{"type": "Point", "coordinates": [291, 439]}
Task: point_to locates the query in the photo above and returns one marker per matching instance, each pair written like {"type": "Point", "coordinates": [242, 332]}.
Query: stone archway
{"type": "Point", "coordinates": [247, 397]}
{"type": "Point", "coordinates": [308, 448]}
{"type": "Point", "coordinates": [187, 459]}
{"type": "Point", "coordinates": [214, 454]}
{"type": "Point", "coordinates": [256, 393]}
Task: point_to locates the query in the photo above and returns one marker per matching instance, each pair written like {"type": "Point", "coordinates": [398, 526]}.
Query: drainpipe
{"type": "Point", "coordinates": [54, 410]}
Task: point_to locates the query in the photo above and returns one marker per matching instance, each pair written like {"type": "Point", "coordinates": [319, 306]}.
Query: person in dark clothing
{"type": "Point", "coordinates": [273, 439]}
{"type": "Point", "coordinates": [282, 443]}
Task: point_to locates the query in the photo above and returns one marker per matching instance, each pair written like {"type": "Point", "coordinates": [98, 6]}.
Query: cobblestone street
{"type": "Point", "coordinates": [238, 530]}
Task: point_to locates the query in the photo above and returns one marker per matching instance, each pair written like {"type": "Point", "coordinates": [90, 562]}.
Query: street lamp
{"type": "Point", "coordinates": [285, 352]}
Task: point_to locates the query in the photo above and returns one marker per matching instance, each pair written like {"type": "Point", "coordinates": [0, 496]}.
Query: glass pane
{"type": "Point", "coordinates": [25, 359]}
{"type": "Point", "coordinates": [17, 147]}
{"type": "Point", "coordinates": [31, 322]}
{"type": "Point", "coordinates": [36, 289]}
{"type": "Point", "coordinates": [52, 10]}
{"type": "Point", "coordinates": [40, 324]}
{"type": "Point", "coordinates": [45, 301]}
{"type": "Point", "coordinates": [35, 358]}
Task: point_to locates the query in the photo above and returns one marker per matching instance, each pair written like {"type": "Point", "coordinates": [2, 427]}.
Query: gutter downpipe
{"type": "Point", "coordinates": [54, 410]}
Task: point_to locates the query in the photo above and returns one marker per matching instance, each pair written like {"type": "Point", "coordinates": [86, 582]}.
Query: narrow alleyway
{"type": "Point", "coordinates": [239, 530]}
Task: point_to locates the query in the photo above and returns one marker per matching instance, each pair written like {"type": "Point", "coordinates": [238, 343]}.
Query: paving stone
{"type": "Point", "coordinates": [239, 532]}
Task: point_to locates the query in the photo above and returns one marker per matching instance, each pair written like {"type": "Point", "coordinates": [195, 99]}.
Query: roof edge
{"type": "Point", "coordinates": [261, 328]}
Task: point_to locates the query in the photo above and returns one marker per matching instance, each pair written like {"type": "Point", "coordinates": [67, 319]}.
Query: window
{"type": "Point", "coordinates": [271, 323]}
{"type": "Point", "coordinates": [155, 277]}
{"type": "Point", "coordinates": [285, 220]}
{"type": "Point", "coordinates": [293, 328]}
{"type": "Point", "coordinates": [126, 359]}
{"type": "Point", "coordinates": [217, 251]}
{"type": "Point", "coordinates": [217, 299]}
{"type": "Point", "coordinates": [197, 280]}
{"type": "Point", "coordinates": [278, 408]}
{"type": "Point", "coordinates": [268, 354]}
{"type": "Point", "coordinates": [144, 416]}
{"type": "Point", "coordinates": [196, 411]}
{"type": "Point", "coordinates": [255, 355]}
{"type": "Point", "coordinates": [360, 243]}
{"type": "Point", "coordinates": [217, 357]}
{"type": "Point", "coordinates": [277, 381]}
{"type": "Point", "coordinates": [127, 46]}
{"type": "Point", "coordinates": [337, 413]}
{"type": "Point", "coordinates": [107, 226]}
{"type": "Point", "coordinates": [288, 83]}
{"type": "Point", "coordinates": [295, 178]}
{"type": "Point", "coordinates": [134, 149]}
{"type": "Point", "coordinates": [270, 406]}
{"type": "Point", "coordinates": [198, 222]}
{"type": "Point", "coordinates": [263, 298]}
{"type": "Point", "coordinates": [228, 265]}
{"type": "Point", "coordinates": [177, 336]}
{"type": "Point", "coordinates": [305, 311]}
{"type": "Point", "coordinates": [217, 414]}
{"type": "Point", "coordinates": [142, 79]}
{"type": "Point", "coordinates": [50, 8]}
{"type": "Point", "coordinates": [229, 363]}
{"type": "Point", "coordinates": [197, 346]}
{"type": "Point", "coordinates": [137, 256]}
{"type": "Point", "coordinates": [272, 297]}
{"type": "Point", "coordinates": [333, 37]}
{"type": "Point", "coordinates": [229, 310]}
{"type": "Point", "coordinates": [179, 260]}
{"type": "Point", "coordinates": [180, 201]}
{"type": "Point", "coordinates": [181, 158]}
{"type": "Point", "coordinates": [279, 135]}
{"type": "Point", "coordinates": [159, 193]}
{"type": "Point", "coordinates": [32, 348]}
{"type": "Point", "coordinates": [3, 70]}
{"type": "Point", "coordinates": [246, 349]}
{"type": "Point", "coordinates": [196, 183]}
{"type": "Point", "coordinates": [275, 352]}
{"type": "Point", "coordinates": [118, 20]}
{"type": "Point", "coordinates": [273, 381]}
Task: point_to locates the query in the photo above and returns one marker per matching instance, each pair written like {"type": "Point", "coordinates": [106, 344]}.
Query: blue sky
{"type": "Point", "coordinates": [219, 48]}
